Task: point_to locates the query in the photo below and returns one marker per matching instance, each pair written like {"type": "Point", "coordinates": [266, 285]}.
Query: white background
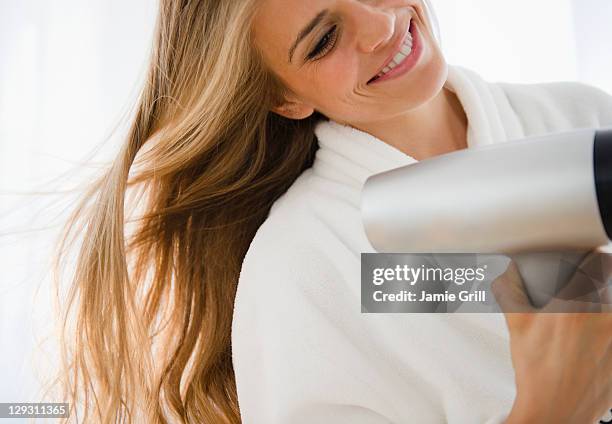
{"type": "Point", "coordinates": [70, 68]}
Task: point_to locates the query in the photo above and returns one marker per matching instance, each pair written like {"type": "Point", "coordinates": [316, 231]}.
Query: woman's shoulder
{"type": "Point", "coordinates": [293, 256]}
{"type": "Point", "coordinates": [559, 105]}
{"type": "Point", "coordinates": [285, 246]}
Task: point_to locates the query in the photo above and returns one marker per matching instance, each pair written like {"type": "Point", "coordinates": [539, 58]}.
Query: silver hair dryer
{"type": "Point", "coordinates": [546, 193]}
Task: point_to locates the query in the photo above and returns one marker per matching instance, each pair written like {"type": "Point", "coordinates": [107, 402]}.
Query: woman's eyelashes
{"type": "Point", "coordinates": [325, 44]}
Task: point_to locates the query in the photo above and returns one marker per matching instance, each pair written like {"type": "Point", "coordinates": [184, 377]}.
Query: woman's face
{"type": "Point", "coordinates": [328, 51]}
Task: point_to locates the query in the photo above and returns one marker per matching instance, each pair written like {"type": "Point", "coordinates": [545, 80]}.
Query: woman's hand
{"type": "Point", "coordinates": [562, 361]}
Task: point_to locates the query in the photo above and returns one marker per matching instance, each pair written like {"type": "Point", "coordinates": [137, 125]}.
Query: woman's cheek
{"type": "Point", "coordinates": [344, 73]}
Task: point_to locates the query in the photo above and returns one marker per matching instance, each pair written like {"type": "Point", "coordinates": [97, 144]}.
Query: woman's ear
{"type": "Point", "coordinates": [293, 110]}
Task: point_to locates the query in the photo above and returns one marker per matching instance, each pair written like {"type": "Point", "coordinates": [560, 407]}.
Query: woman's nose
{"type": "Point", "coordinates": [374, 25]}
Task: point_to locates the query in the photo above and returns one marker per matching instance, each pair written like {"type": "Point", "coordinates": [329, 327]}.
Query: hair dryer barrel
{"type": "Point", "coordinates": [540, 193]}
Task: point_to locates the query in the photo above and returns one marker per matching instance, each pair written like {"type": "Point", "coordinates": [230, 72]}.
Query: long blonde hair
{"type": "Point", "coordinates": [162, 233]}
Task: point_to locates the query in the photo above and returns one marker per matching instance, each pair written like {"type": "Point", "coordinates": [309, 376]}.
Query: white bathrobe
{"type": "Point", "coordinates": [302, 350]}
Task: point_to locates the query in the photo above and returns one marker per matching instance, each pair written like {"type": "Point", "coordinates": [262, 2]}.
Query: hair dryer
{"type": "Point", "coordinates": [545, 193]}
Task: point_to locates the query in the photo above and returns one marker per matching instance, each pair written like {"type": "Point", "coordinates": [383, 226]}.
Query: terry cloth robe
{"type": "Point", "coordinates": [303, 353]}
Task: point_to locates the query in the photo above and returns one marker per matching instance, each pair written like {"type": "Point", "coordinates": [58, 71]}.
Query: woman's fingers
{"type": "Point", "coordinates": [510, 294]}
{"type": "Point", "coordinates": [509, 291]}
{"type": "Point", "coordinates": [588, 290]}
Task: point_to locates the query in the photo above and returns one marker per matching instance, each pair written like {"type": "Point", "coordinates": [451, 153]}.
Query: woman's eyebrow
{"type": "Point", "coordinates": [307, 30]}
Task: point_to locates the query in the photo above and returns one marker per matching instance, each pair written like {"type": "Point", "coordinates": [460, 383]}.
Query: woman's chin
{"type": "Point", "coordinates": [426, 82]}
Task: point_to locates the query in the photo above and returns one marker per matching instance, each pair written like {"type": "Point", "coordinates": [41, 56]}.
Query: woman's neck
{"type": "Point", "coordinates": [437, 127]}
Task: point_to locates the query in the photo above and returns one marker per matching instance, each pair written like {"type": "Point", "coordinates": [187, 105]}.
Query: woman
{"type": "Point", "coordinates": [235, 294]}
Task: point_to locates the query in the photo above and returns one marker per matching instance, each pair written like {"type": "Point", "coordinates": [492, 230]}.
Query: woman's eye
{"type": "Point", "coordinates": [324, 45]}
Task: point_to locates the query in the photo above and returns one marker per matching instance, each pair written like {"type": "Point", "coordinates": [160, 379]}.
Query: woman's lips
{"type": "Point", "coordinates": [408, 63]}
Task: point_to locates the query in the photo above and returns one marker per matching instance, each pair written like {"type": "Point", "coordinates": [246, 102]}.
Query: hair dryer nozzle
{"type": "Point", "coordinates": [551, 192]}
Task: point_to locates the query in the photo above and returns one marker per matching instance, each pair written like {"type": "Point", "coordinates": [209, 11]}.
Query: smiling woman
{"type": "Point", "coordinates": [341, 53]}
{"type": "Point", "coordinates": [218, 276]}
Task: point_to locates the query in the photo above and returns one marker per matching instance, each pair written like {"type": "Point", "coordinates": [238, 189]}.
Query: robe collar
{"type": "Point", "coordinates": [357, 154]}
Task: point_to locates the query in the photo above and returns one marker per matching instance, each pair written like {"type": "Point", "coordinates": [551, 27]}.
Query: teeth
{"type": "Point", "coordinates": [406, 49]}
{"type": "Point", "coordinates": [404, 52]}
{"type": "Point", "coordinates": [399, 58]}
